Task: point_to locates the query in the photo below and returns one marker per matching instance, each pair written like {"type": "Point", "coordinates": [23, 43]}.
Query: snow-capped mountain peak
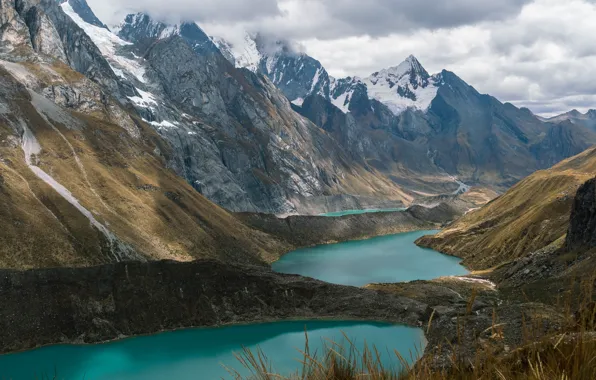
{"type": "Point", "coordinates": [138, 26]}
{"type": "Point", "coordinates": [247, 54]}
{"type": "Point", "coordinates": [109, 44]}
{"type": "Point", "coordinates": [407, 85]}
{"type": "Point", "coordinates": [84, 11]}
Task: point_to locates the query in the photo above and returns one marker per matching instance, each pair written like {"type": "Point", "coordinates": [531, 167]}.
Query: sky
{"type": "Point", "coordinates": [539, 54]}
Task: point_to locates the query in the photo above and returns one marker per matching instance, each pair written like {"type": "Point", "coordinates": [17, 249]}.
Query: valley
{"type": "Point", "coordinates": [168, 197]}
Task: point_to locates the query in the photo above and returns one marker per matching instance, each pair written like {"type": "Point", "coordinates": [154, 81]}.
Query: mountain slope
{"type": "Point", "coordinates": [587, 120]}
{"type": "Point", "coordinates": [84, 181]}
{"type": "Point", "coordinates": [530, 216]}
{"type": "Point", "coordinates": [440, 125]}
{"type": "Point", "coordinates": [243, 145]}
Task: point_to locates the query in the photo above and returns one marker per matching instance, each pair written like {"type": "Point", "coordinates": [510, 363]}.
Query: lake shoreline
{"type": "Point", "coordinates": [114, 301]}
{"type": "Point", "coordinates": [309, 231]}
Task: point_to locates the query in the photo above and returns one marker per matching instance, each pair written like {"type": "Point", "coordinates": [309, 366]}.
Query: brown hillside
{"type": "Point", "coordinates": [119, 176]}
{"type": "Point", "coordinates": [531, 215]}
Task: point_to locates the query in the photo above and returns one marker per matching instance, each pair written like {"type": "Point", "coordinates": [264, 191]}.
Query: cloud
{"type": "Point", "coordinates": [534, 53]}
{"type": "Point", "coordinates": [225, 11]}
{"type": "Point", "coordinates": [379, 17]}
{"type": "Point", "coordinates": [543, 57]}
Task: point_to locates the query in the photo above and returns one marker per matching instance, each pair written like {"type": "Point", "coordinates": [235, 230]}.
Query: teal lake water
{"type": "Point", "coordinates": [358, 212]}
{"type": "Point", "coordinates": [198, 354]}
{"type": "Point", "coordinates": [393, 258]}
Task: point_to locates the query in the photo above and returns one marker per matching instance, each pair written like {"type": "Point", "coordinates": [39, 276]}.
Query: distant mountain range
{"type": "Point", "coordinates": [403, 116]}
{"type": "Point", "coordinates": [587, 120]}
{"type": "Point", "coordinates": [263, 127]}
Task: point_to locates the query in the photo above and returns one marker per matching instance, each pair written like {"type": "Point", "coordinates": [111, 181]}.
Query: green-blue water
{"type": "Point", "coordinates": [198, 354]}
{"type": "Point", "coordinates": [393, 258]}
{"type": "Point", "coordinates": [357, 212]}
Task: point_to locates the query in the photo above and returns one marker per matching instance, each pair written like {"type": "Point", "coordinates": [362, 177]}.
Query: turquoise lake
{"type": "Point", "coordinates": [393, 258]}
{"type": "Point", "coordinates": [358, 212]}
{"type": "Point", "coordinates": [200, 354]}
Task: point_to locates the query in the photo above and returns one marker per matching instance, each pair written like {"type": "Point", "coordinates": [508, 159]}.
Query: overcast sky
{"type": "Point", "coordinates": [535, 53]}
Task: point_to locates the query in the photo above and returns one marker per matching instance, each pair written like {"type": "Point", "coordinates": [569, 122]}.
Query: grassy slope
{"type": "Point", "coordinates": [123, 181]}
{"type": "Point", "coordinates": [531, 215]}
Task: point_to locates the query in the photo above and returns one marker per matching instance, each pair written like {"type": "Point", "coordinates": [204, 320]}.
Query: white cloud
{"type": "Point", "coordinates": [539, 54]}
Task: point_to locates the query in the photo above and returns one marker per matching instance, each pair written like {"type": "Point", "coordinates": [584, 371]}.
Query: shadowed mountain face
{"type": "Point", "coordinates": [582, 224]}
{"type": "Point", "coordinates": [238, 140]}
{"type": "Point", "coordinates": [383, 141]}
{"type": "Point", "coordinates": [576, 118]}
{"type": "Point", "coordinates": [434, 121]}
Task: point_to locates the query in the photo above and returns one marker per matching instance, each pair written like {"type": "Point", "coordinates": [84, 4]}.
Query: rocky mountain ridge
{"type": "Point", "coordinates": [394, 133]}
{"type": "Point", "coordinates": [437, 122]}
{"type": "Point", "coordinates": [238, 141]}
{"type": "Point", "coordinates": [232, 130]}
{"type": "Point", "coordinates": [587, 120]}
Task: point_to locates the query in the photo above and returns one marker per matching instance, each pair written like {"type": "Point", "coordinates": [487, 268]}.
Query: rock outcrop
{"type": "Point", "coordinates": [90, 305]}
{"type": "Point", "coordinates": [581, 234]}
{"type": "Point", "coordinates": [306, 231]}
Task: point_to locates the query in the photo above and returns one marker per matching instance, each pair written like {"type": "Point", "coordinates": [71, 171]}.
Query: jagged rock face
{"type": "Point", "coordinates": [435, 125]}
{"type": "Point", "coordinates": [44, 37]}
{"type": "Point", "coordinates": [40, 26]}
{"type": "Point", "coordinates": [82, 9]}
{"type": "Point", "coordinates": [14, 31]}
{"type": "Point", "coordinates": [225, 48]}
{"type": "Point", "coordinates": [582, 224]}
{"type": "Point", "coordinates": [463, 133]}
{"type": "Point", "coordinates": [239, 143]}
{"type": "Point", "coordinates": [138, 27]}
{"type": "Point", "coordinates": [254, 128]}
{"type": "Point", "coordinates": [297, 75]}
{"type": "Point", "coordinates": [141, 28]}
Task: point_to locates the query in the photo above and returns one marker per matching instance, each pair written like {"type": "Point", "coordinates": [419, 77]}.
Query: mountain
{"type": "Point", "coordinates": [84, 181]}
{"type": "Point", "coordinates": [587, 120]}
{"type": "Point", "coordinates": [84, 11]}
{"type": "Point", "coordinates": [405, 117]}
{"type": "Point", "coordinates": [236, 138]}
{"type": "Point", "coordinates": [530, 216]}
{"type": "Point", "coordinates": [234, 135]}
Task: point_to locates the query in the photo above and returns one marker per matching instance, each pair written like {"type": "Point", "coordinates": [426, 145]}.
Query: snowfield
{"type": "Point", "coordinates": [107, 43]}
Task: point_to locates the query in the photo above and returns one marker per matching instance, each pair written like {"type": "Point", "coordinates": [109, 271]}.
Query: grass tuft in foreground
{"type": "Point", "coordinates": [567, 354]}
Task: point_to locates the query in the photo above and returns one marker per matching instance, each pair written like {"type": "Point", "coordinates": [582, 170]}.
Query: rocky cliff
{"type": "Point", "coordinates": [306, 231]}
{"type": "Point", "coordinates": [90, 305]}
{"type": "Point", "coordinates": [431, 125]}
{"type": "Point", "coordinates": [581, 234]}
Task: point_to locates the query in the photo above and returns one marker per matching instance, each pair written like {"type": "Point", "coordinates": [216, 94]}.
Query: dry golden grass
{"type": "Point", "coordinates": [530, 216]}
{"type": "Point", "coordinates": [123, 183]}
{"type": "Point", "coordinates": [569, 354]}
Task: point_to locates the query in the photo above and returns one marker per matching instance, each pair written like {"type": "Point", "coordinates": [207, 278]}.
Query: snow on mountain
{"type": "Point", "coordinates": [247, 54]}
{"type": "Point", "coordinates": [109, 43]}
{"type": "Point", "coordinates": [407, 85]}
{"type": "Point", "coordinates": [225, 48]}
{"type": "Point", "coordinates": [84, 11]}
{"type": "Point", "coordinates": [138, 26]}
